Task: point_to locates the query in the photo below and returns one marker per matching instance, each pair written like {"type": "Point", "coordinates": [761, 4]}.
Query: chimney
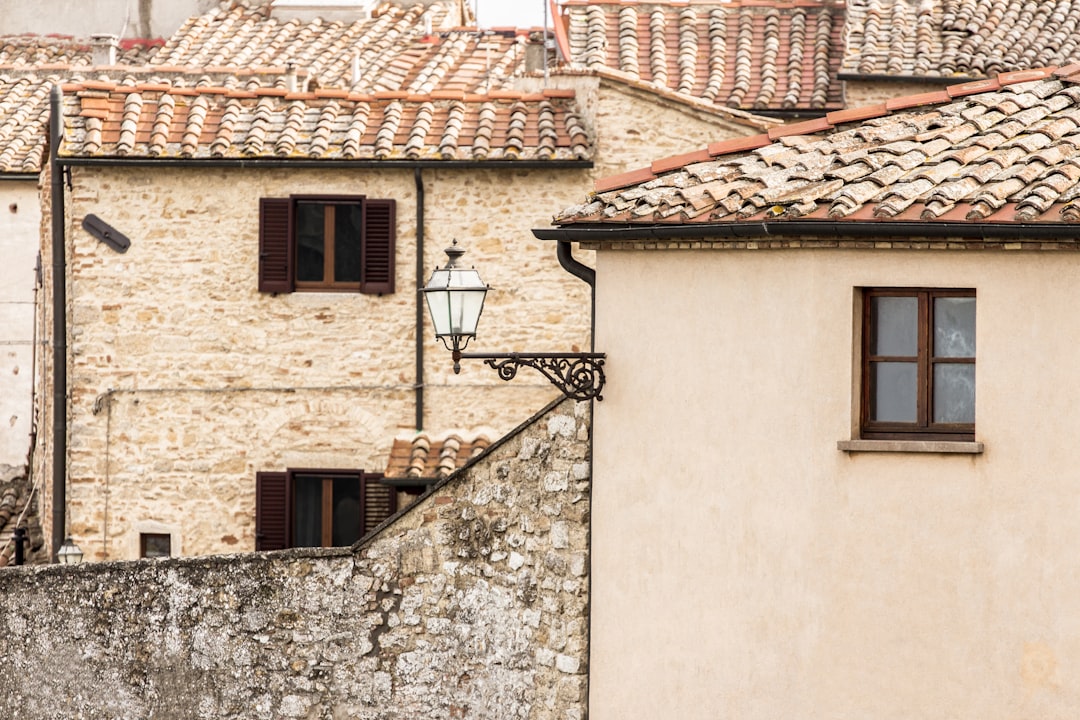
{"type": "Point", "coordinates": [103, 49]}
{"type": "Point", "coordinates": [535, 54]}
{"type": "Point", "coordinates": [290, 77]}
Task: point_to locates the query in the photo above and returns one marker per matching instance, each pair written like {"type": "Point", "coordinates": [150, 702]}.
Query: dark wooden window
{"type": "Point", "coordinates": [327, 243]}
{"type": "Point", "coordinates": [318, 508]}
{"type": "Point", "coordinates": [918, 364]}
{"type": "Point", "coordinates": [155, 545]}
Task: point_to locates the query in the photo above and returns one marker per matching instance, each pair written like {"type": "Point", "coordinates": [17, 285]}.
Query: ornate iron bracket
{"type": "Point", "coordinates": [580, 376]}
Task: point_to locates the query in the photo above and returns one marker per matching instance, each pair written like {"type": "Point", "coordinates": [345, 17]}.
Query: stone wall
{"type": "Point", "coordinates": [471, 604]}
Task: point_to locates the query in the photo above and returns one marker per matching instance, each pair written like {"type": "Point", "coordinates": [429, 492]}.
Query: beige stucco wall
{"type": "Point", "coordinates": [745, 567]}
{"type": "Point", "coordinates": [20, 223]}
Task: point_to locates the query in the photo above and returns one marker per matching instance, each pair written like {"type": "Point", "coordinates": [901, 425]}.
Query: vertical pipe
{"type": "Point", "coordinates": [418, 178]}
{"type": "Point", "coordinates": [59, 308]}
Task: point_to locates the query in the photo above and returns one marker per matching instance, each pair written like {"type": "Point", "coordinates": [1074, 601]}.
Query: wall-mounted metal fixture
{"type": "Point", "coordinates": [455, 299]}
{"type": "Point", "coordinates": [19, 537]}
{"type": "Point", "coordinates": [106, 233]}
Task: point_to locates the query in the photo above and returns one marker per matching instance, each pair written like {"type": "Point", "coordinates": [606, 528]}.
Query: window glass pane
{"type": "Point", "coordinates": [347, 243]}
{"type": "Point", "coordinates": [346, 511]}
{"type": "Point", "coordinates": [954, 327]}
{"type": "Point", "coordinates": [894, 395]}
{"type": "Point", "coordinates": [894, 326]}
{"type": "Point", "coordinates": [307, 511]}
{"type": "Point", "coordinates": [954, 393]}
{"type": "Point", "coordinates": [155, 545]}
{"type": "Point", "coordinates": [309, 241]}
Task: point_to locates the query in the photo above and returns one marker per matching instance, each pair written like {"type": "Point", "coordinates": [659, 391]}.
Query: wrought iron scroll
{"type": "Point", "coordinates": [580, 376]}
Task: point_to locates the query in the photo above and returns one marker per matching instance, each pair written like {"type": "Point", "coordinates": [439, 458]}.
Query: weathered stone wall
{"type": "Point", "coordinates": [472, 604]}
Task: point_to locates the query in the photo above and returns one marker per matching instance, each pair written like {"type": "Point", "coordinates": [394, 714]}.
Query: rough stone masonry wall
{"type": "Point", "coordinates": [472, 604]}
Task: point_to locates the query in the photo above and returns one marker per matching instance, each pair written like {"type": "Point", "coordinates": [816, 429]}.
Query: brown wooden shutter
{"type": "Point", "coordinates": [380, 501]}
{"type": "Point", "coordinates": [271, 511]}
{"type": "Point", "coordinates": [275, 246]}
{"type": "Point", "coordinates": [377, 247]}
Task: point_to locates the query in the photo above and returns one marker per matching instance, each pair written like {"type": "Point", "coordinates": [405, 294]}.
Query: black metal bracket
{"type": "Point", "coordinates": [580, 376]}
{"type": "Point", "coordinates": [106, 233]}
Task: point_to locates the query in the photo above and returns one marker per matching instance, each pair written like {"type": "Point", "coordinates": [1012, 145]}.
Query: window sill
{"type": "Point", "coordinates": [910, 446]}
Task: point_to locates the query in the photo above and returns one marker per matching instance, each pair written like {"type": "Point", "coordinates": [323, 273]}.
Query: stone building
{"type": "Point", "coordinates": [849, 471]}
{"type": "Point", "coordinates": [197, 376]}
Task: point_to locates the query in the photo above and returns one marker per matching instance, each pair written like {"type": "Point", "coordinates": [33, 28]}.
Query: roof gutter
{"type": "Point", "coordinates": [255, 163]}
{"type": "Point", "coordinates": [936, 80]}
{"type": "Point", "coordinates": [819, 228]}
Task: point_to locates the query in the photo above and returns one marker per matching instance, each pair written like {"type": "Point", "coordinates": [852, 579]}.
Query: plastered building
{"type": "Point", "coordinates": [848, 466]}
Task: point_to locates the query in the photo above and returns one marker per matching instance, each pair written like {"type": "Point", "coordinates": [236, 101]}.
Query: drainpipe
{"type": "Point", "coordinates": [59, 307]}
{"type": "Point", "coordinates": [586, 273]}
{"type": "Point", "coordinates": [418, 178]}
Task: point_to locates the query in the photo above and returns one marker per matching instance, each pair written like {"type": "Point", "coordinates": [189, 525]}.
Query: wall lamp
{"type": "Point", "coordinates": [455, 299]}
{"type": "Point", "coordinates": [69, 553]}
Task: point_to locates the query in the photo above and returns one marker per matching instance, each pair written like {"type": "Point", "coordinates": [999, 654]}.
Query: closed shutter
{"type": "Point", "coordinates": [275, 248]}
{"type": "Point", "coordinates": [380, 501]}
{"type": "Point", "coordinates": [271, 511]}
{"type": "Point", "coordinates": [377, 247]}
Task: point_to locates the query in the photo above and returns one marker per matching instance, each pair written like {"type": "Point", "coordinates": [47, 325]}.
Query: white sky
{"type": "Point", "coordinates": [520, 13]}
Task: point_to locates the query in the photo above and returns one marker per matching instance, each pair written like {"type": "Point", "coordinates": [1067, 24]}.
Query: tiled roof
{"type": "Point", "coordinates": [66, 51]}
{"type": "Point", "coordinates": [391, 52]}
{"type": "Point", "coordinates": [749, 54]}
{"type": "Point", "coordinates": [29, 67]}
{"type": "Point", "coordinates": [959, 38]}
{"type": "Point", "coordinates": [1004, 150]}
{"type": "Point", "coordinates": [427, 457]}
{"type": "Point", "coordinates": [150, 120]}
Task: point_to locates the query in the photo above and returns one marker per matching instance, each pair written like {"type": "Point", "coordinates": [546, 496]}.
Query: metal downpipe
{"type": "Point", "coordinates": [59, 307]}
{"type": "Point", "coordinates": [418, 178]}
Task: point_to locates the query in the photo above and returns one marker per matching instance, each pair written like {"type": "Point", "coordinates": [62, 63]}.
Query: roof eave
{"type": "Point", "coordinates": [766, 230]}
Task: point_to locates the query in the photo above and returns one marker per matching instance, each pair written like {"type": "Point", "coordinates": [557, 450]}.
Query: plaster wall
{"type": "Point", "coordinates": [746, 567]}
{"type": "Point", "coordinates": [472, 604]}
{"type": "Point", "coordinates": [20, 225]}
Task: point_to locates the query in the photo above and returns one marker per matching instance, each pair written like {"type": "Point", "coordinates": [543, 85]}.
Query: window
{"type": "Point", "coordinates": [918, 364]}
{"type": "Point", "coordinates": [326, 243]}
{"type": "Point", "coordinates": [318, 508]}
{"type": "Point", "coordinates": [155, 545]}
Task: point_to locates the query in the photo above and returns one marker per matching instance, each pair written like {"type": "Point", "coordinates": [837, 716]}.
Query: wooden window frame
{"type": "Point", "coordinates": [274, 494]}
{"type": "Point", "coordinates": [923, 428]}
{"type": "Point", "coordinates": [278, 246]}
{"type": "Point", "coordinates": [329, 203]}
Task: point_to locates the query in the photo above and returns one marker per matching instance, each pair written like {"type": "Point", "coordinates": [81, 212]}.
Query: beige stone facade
{"type": "Point", "coordinates": [806, 580]}
{"type": "Point", "coordinates": [185, 381]}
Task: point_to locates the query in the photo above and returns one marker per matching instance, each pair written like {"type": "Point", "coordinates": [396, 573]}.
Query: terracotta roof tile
{"type": "Point", "coordinates": [749, 54]}
{"type": "Point", "coordinates": [958, 38]}
{"type": "Point", "coordinates": [427, 457]}
{"type": "Point", "coordinates": [1010, 155]}
{"type": "Point", "coordinates": [210, 124]}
